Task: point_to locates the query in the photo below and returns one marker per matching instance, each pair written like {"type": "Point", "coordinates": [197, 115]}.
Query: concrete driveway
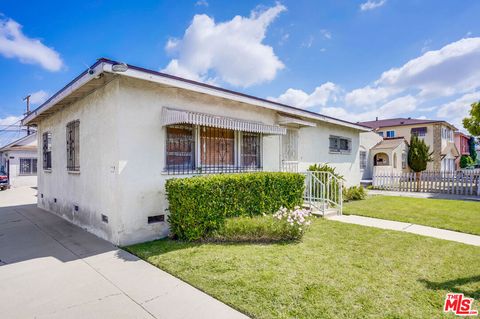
{"type": "Point", "coordinates": [50, 268]}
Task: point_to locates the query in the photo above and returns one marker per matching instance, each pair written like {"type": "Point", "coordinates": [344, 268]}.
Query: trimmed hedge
{"type": "Point", "coordinates": [199, 205]}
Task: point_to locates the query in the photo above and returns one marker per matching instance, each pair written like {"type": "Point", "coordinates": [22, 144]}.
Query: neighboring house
{"type": "Point", "coordinates": [113, 136]}
{"type": "Point", "coordinates": [383, 155]}
{"type": "Point", "coordinates": [19, 160]}
{"type": "Point", "coordinates": [461, 142]}
{"type": "Point", "coordinates": [438, 135]}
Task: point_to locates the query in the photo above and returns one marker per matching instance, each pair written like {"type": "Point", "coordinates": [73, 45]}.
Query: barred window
{"type": "Point", "coordinates": [47, 150]}
{"type": "Point", "coordinates": [180, 147]}
{"type": "Point", "coordinates": [217, 147]}
{"type": "Point", "coordinates": [363, 159]}
{"type": "Point", "coordinates": [200, 149]}
{"type": "Point", "coordinates": [28, 166]}
{"type": "Point", "coordinates": [251, 156]}
{"type": "Point", "coordinates": [340, 144]}
{"type": "Point", "coordinates": [73, 146]}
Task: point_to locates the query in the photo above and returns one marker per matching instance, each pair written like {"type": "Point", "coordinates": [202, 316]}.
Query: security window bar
{"type": "Point", "coordinates": [340, 144]}
{"type": "Point", "coordinates": [199, 149]}
{"type": "Point", "coordinates": [28, 166]}
{"type": "Point", "coordinates": [47, 150]}
{"type": "Point", "coordinates": [180, 148]}
{"type": "Point", "coordinates": [73, 146]}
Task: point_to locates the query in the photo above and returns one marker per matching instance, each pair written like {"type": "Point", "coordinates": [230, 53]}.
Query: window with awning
{"type": "Point", "coordinates": [202, 143]}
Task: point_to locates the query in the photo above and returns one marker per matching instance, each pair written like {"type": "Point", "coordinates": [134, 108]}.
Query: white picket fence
{"type": "Point", "coordinates": [460, 183]}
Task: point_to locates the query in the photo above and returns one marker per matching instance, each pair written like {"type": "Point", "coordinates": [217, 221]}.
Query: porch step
{"type": "Point", "coordinates": [328, 212]}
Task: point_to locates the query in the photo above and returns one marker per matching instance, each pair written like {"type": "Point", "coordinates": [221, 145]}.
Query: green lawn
{"type": "Point", "coordinates": [463, 216]}
{"type": "Point", "coordinates": [338, 271]}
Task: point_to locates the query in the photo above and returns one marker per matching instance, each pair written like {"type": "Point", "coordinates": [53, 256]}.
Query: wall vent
{"type": "Point", "coordinates": [105, 218]}
{"type": "Point", "coordinates": [156, 219]}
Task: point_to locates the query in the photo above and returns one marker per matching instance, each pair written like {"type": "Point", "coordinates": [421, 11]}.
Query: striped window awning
{"type": "Point", "coordinates": [172, 116]}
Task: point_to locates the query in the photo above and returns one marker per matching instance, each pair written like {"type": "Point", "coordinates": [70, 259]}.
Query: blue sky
{"type": "Point", "coordinates": [350, 59]}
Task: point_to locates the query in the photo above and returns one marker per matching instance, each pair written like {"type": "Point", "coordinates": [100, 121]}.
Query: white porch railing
{"type": "Point", "coordinates": [323, 193]}
{"type": "Point", "coordinates": [289, 166]}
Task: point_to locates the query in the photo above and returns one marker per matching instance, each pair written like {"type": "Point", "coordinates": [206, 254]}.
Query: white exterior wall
{"type": "Point", "coordinates": [313, 147]}
{"type": "Point", "coordinates": [122, 155]}
{"type": "Point", "coordinates": [13, 158]}
{"type": "Point", "coordinates": [94, 188]}
{"type": "Point", "coordinates": [141, 185]}
{"type": "Point", "coordinates": [367, 141]}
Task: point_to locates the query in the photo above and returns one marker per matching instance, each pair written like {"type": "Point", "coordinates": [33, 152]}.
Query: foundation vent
{"type": "Point", "coordinates": [156, 219]}
{"type": "Point", "coordinates": [105, 218]}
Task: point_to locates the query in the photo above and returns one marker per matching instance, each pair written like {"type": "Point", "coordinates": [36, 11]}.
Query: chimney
{"type": "Point", "coordinates": [376, 118]}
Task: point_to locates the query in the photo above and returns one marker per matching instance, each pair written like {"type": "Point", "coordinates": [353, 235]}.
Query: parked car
{"type": "Point", "coordinates": [3, 180]}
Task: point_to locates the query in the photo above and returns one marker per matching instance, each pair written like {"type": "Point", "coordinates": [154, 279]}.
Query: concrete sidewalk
{"type": "Point", "coordinates": [409, 228]}
{"type": "Point", "coordinates": [424, 195]}
{"type": "Point", "coordinates": [50, 268]}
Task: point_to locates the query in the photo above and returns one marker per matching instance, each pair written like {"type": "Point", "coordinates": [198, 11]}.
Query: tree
{"type": "Point", "coordinates": [466, 161]}
{"type": "Point", "coordinates": [418, 157]}
{"type": "Point", "coordinates": [471, 148]}
{"type": "Point", "coordinates": [472, 123]}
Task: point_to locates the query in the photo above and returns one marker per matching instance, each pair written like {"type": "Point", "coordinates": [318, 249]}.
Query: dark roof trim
{"type": "Point", "coordinates": [177, 78]}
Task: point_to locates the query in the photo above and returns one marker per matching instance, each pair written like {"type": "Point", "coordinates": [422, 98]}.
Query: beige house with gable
{"type": "Point", "coordinates": [438, 135]}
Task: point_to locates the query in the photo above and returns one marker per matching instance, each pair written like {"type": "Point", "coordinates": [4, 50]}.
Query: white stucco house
{"type": "Point", "coordinates": [111, 138]}
{"type": "Point", "coordinates": [19, 160]}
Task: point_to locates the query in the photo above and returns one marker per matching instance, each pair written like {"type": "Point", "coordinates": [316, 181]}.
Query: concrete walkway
{"type": "Point", "coordinates": [423, 195]}
{"type": "Point", "coordinates": [409, 228]}
{"type": "Point", "coordinates": [50, 268]}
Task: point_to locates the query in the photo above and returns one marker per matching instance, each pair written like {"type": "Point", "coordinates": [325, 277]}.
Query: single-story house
{"type": "Point", "coordinates": [112, 137]}
{"type": "Point", "coordinates": [19, 160]}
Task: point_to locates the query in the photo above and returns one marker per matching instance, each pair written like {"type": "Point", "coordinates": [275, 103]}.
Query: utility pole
{"type": "Point", "coordinates": [27, 98]}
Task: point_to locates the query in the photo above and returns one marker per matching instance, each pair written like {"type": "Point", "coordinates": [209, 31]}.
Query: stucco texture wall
{"type": "Point", "coordinates": [313, 147]}
{"type": "Point", "coordinates": [94, 188]}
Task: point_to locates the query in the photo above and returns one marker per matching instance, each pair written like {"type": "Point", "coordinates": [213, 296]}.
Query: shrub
{"type": "Point", "coordinates": [466, 161]}
{"type": "Point", "coordinates": [199, 205]}
{"type": "Point", "coordinates": [354, 193]}
{"type": "Point", "coordinates": [285, 225]}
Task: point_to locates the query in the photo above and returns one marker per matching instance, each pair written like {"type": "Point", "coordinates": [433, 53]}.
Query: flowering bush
{"type": "Point", "coordinates": [298, 219]}
{"type": "Point", "coordinates": [285, 225]}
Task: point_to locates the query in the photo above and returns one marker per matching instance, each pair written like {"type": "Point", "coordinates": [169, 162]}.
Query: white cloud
{"type": "Point", "coordinates": [15, 44]}
{"type": "Point", "coordinates": [368, 95]}
{"type": "Point", "coordinates": [309, 42]}
{"type": "Point", "coordinates": [394, 108]}
{"type": "Point", "coordinates": [319, 97]}
{"type": "Point", "coordinates": [453, 69]}
{"type": "Point", "coordinates": [232, 51]}
{"type": "Point", "coordinates": [38, 97]}
{"type": "Point", "coordinates": [326, 34]}
{"type": "Point", "coordinates": [454, 111]}
{"type": "Point", "coordinates": [12, 119]}
{"type": "Point", "coordinates": [200, 3]}
{"type": "Point", "coordinates": [372, 4]}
